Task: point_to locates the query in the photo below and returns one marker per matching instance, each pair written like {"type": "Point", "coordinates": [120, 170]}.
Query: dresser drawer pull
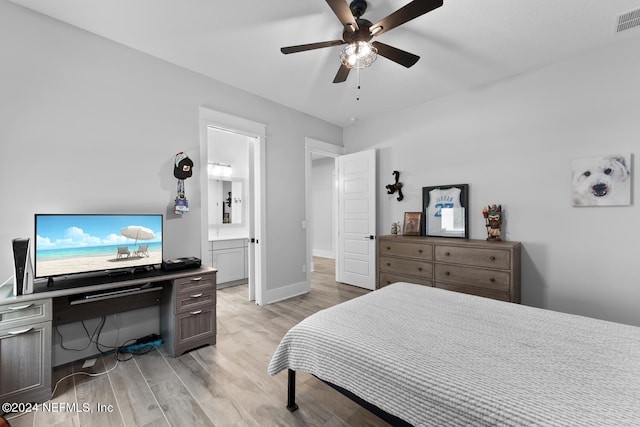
{"type": "Point", "coordinates": [492, 280]}
{"type": "Point", "coordinates": [447, 253]}
{"type": "Point", "coordinates": [196, 295]}
{"type": "Point", "coordinates": [419, 251]}
{"type": "Point", "coordinates": [419, 268]}
{"type": "Point", "coordinates": [21, 307]}
{"type": "Point", "coordinates": [492, 258]}
{"type": "Point", "coordinates": [195, 313]}
{"type": "Point", "coordinates": [23, 331]}
{"type": "Point", "coordinates": [388, 264]}
{"type": "Point", "coordinates": [446, 273]}
{"type": "Point", "coordinates": [388, 248]}
{"type": "Point", "coordinates": [196, 279]}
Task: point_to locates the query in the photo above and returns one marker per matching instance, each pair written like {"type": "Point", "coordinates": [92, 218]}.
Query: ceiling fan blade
{"type": "Point", "coordinates": [399, 56]}
{"type": "Point", "coordinates": [310, 46]}
{"type": "Point", "coordinates": [343, 12]}
{"type": "Point", "coordinates": [404, 14]}
{"type": "Point", "coordinates": [343, 73]}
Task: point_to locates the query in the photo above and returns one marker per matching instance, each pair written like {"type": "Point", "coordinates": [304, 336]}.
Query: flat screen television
{"type": "Point", "coordinates": [70, 244]}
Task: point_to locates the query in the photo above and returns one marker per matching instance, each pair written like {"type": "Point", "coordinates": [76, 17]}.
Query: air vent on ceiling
{"type": "Point", "coordinates": [628, 20]}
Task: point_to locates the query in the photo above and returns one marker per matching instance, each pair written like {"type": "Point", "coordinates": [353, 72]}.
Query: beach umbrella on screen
{"type": "Point", "coordinates": [137, 232]}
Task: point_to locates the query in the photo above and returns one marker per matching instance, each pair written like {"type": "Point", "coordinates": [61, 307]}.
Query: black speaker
{"type": "Point", "coordinates": [23, 279]}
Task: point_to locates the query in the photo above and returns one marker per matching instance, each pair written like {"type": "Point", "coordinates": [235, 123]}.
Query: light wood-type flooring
{"type": "Point", "coordinates": [222, 385]}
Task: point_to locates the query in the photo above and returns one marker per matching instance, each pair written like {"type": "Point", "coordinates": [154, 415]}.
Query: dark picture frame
{"type": "Point", "coordinates": [445, 211]}
{"type": "Point", "coordinates": [412, 224]}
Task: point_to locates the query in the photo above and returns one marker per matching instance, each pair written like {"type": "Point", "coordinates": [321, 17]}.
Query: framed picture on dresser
{"type": "Point", "coordinates": [445, 210]}
{"type": "Point", "coordinates": [412, 224]}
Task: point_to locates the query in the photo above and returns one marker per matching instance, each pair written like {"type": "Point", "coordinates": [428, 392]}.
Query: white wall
{"type": "Point", "coordinates": [513, 143]}
{"type": "Point", "coordinates": [89, 125]}
{"type": "Point", "coordinates": [322, 185]}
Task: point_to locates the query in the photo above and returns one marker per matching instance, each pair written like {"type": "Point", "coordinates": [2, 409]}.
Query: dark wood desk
{"type": "Point", "coordinates": [187, 300]}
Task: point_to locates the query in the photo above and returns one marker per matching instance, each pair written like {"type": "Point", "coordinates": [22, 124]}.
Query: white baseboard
{"type": "Point", "coordinates": [286, 292]}
{"type": "Point", "coordinates": [323, 253]}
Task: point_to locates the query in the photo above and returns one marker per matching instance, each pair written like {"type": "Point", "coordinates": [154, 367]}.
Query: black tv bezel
{"type": "Point", "coordinates": [99, 272]}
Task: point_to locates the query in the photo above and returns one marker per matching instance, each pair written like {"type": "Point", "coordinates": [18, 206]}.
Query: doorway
{"type": "Point", "coordinates": [321, 211]}
{"type": "Point", "coordinates": [236, 216]}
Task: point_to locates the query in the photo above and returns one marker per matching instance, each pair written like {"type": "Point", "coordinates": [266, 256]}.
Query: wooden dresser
{"type": "Point", "coordinates": [477, 267]}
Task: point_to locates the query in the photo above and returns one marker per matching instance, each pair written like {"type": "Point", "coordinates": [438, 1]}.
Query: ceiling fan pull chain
{"type": "Point", "coordinates": [358, 84]}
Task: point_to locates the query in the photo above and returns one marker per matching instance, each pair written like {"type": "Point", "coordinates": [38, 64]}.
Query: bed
{"type": "Point", "coordinates": [432, 357]}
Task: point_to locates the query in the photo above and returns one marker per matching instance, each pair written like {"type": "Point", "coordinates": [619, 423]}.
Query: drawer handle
{"type": "Point", "coordinates": [419, 251]}
{"type": "Point", "coordinates": [388, 248]}
{"type": "Point", "coordinates": [24, 331]}
{"type": "Point", "coordinates": [195, 313]}
{"type": "Point", "coordinates": [447, 253]}
{"type": "Point", "coordinates": [21, 307]}
{"type": "Point", "coordinates": [446, 273]}
{"type": "Point", "coordinates": [492, 279]}
{"type": "Point", "coordinates": [492, 258]}
{"type": "Point", "coordinates": [196, 279]}
{"type": "Point", "coordinates": [388, 264]}
{"type": "Point", "coordinates": [196, 295]}
{"type": "Point", "coordinates": [419, 268]}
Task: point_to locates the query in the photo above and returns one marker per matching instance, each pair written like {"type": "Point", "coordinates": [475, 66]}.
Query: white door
{"type": "Point", "coordinates": [356, 254]}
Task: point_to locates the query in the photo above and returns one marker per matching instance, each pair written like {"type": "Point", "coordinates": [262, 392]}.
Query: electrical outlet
{"type": "Point", "coordinates": [304, 268]}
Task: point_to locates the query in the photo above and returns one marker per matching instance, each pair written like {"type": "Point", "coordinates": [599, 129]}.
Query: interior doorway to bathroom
{"type": "Point", "coordinates": [232, 190]}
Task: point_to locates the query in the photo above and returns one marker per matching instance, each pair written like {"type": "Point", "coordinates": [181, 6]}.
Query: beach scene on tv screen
{"type": "Point", "coordinates": [67, 244]}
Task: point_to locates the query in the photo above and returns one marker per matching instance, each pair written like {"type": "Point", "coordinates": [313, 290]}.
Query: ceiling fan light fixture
{"type": "Point", "coordinates": [358, 54]}
{"type": "Point", "coordinates": [376, 30]}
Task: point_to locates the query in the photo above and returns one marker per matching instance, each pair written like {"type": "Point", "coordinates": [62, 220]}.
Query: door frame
{"type": "Point", "coordinates": [257, 264]}
{"type": "Point", "coordinates": [317, 147]}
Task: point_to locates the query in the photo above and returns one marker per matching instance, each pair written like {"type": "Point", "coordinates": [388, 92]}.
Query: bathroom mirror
{"type": "Point", "coordinates": [226, 201]}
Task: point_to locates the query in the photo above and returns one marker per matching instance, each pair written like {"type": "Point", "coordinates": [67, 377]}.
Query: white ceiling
{"type": "Point", "coordinates": [463, 44]}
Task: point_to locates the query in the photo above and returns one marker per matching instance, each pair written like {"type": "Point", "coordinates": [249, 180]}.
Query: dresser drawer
{"type": "Point", "coordinates": [195, 283]}
{"type": "Point", "coordinates": [490, 258]}
{"type": "Point", "coordinates": [195, 300]}
{"type": "Point", "coordinates": [406, 250]}
{"type": "Point", "coordinates": [472, 290]}
{"type": "Point", "coordinates": [385, 279]}
{"type": "Point", "coordinates": [24, 313]}
{"type": "Point", "coordinates": [406, 266]}
{"type": "Point", "coordinates": [477, 277]}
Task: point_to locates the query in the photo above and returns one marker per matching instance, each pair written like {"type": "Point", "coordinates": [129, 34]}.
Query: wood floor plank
{"type": "Point", "coordinates": [137, 403]}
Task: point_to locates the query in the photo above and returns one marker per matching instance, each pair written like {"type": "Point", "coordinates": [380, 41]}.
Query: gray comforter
{"type": "Point", "coordinates": [439, 358]}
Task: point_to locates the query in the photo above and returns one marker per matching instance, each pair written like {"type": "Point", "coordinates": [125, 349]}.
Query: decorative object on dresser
{"type": "Point", "coordinates": [397, 186]}
{"type": "Point", "coordinates": [493, 221]}
{"type": "Point", "coordinates": [395, 228]}
{"type": "Point", "coordinates": [477, 267]}
{"type": "Point", "coordinates": [412, 223]}
{"type": "Point", "coordinates": [445, 212]}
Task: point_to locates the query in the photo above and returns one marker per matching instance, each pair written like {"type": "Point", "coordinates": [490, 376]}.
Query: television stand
{"type": "Point", "coordinates": [187, 320]}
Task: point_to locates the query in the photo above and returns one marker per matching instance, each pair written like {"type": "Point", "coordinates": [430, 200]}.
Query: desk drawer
{"type": "Point", "coordinates": [477, 277]}
{"type": "Point", "coordinates": [406, 266]}
{"type": "Point", "coordinates": [406, 249]}
{"type": "Point", "coordinates": [195, 300]}
{"type": "Point", "coordinates": [490, 258]}
{"type": "Point", "coordinates": [24, 313]}
{"type": "Point", "coordinates": [195, 325]}
{"type": "Point", "coordinates": [195, 283]}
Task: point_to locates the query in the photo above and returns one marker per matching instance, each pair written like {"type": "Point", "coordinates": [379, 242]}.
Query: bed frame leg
{"type": "Point", "coordinates": [291, 391]}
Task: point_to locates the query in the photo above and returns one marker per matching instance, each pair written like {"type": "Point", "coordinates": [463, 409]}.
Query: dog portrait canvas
{"type": "Point", "coordinates": [601, 181]}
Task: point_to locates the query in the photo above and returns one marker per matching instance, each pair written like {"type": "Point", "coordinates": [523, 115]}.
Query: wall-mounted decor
{"type": "Point", "coordinates": [445, 210]}
{"type": "Point", "coordinates": [601, 181]}
{"type": "Point", "coordinates": [397, 186]}
{"type": "Point", "coordinates": [493, 221]}
{"type": "Point", "coordinates": [412, 223]}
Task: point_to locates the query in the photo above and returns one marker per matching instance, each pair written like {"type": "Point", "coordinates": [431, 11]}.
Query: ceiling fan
{"type": "Point", "coordinates": [357, 33]}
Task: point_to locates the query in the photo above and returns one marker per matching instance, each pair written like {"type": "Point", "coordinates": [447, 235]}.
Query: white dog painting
{"type": "Point", "coordinates": [602, 181]}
